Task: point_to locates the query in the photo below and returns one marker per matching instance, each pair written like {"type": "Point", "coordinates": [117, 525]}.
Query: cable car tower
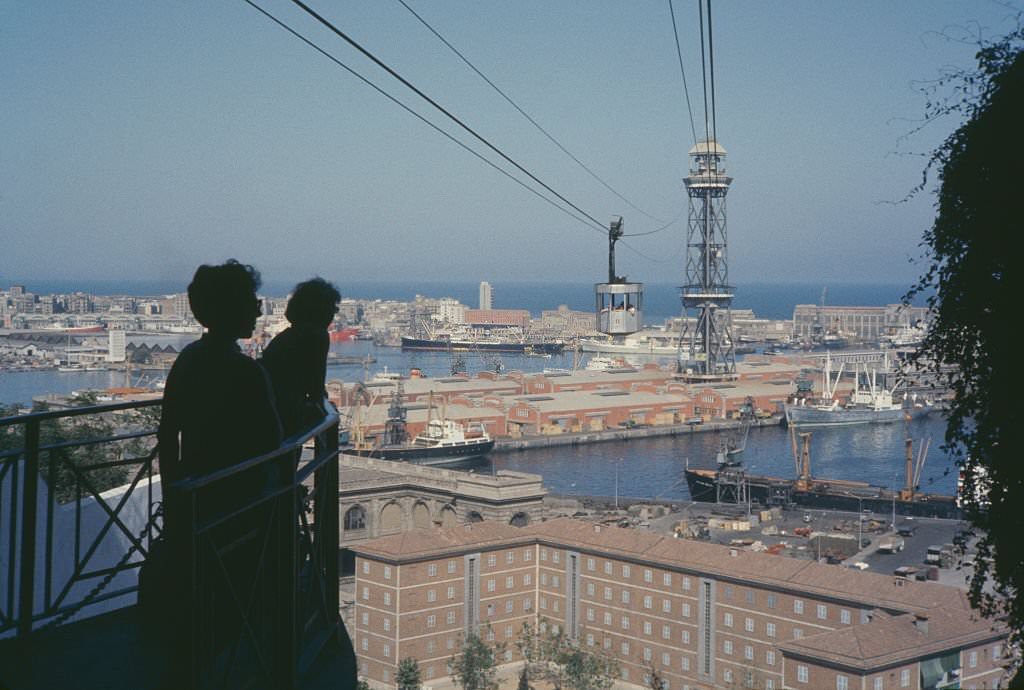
{"type": "Point", "coordinates": [619, 302]}
{"type": "Point", "coordinates": [706, 351]}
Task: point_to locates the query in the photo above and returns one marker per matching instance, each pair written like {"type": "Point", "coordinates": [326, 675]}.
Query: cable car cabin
{"type": "Point", "coordinates": [619, 307]}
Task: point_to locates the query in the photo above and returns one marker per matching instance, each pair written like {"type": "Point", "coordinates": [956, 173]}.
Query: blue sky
{"type": "Point", "coordinates": [140, 139]}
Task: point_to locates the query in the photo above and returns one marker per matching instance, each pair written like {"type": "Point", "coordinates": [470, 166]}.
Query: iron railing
{"type": "Point", "coordinates": [68, 548]}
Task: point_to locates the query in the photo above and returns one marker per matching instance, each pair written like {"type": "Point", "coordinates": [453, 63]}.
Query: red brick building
{"type": "Point", "coordinates": [702, 615]}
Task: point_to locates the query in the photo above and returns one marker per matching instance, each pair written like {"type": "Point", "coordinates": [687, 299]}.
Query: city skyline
{"type": "Point", "coordinates": [144, 140]}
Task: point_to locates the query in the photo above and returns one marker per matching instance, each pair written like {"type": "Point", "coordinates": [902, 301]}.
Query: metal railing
{"type": "Point", "coordinates": [66, 545]}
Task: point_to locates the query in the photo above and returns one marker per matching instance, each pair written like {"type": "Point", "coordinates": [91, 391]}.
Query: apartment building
{"type": "Point", "coordinates": [703, 615]}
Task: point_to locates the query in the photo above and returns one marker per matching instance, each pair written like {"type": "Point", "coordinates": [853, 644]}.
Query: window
{"type": "Point", "coordinates": [607, 618]}
{"type": "Point", "coordinates": [798, 606]}
{"type": "Point", "coordinates": [905, 678]}
{"type": "Point", "coordinates": [972, 660]}
{"type": "Point", "coordinates": [365, 644]}
{"type": "Point", "coordinates": [387, 624]}
{"type": "Point", "coordinates": [432, 570]}
{"type": "Point", "coordinates": [555, 556]}
{"type": "Point", "coordinates": [801, 673]}
{"type": "Point", "coordinates": [685, 663]}
{"type": "Point", "coordinates": [750, 596]}
{"type": "Point", "coordinates": [387, 650]}
{"type": "Point", "coordinates": [842, 682]}
{"type": "Point", "coordinates": [879, 683]}
{"type": "Point", "coordinates": [727, 620]}
{"type": "Point", "coordinates": [727, 647]}
{"type": "Point", "coordinates": [490, 610]}
{"type": "Point", "coordinates": [686, 637]}
{"type": "Point", "coordinates": [607, 644]}
{"type": "Point", "coordinates": [748, 625]}
{"type": "Point", "coordinates": [509, 605]}
{"type": "Point", "coordinates": [543, 554]}
{"type": "Point", "coordinates": [449, 644]}
{"type": "Point", "coordinates": [686, 584]}
{"type": "Point", "coordinates": [430, 672]}
{"type": "Point", "coordinates": [355, 518]}
{"type": "Point", "coordinates": [625, 649]}
{"type": "Point", "coordinates": [431, 595]}
{"type": "Point", "coordinates": [544, 579]}
{"type": "Point", "coordinates": [666, 606]}
{"type": "Point", "coordinates": [727, 675]}
{"type": "Point", "coordinates": [607, 567]}
{"type": "Point", "coordinates": [686, 610]}
{"type": "Point", "coordinates": [666, 659]}
{"type": "Point", "coordinates": [431, 645]}
{"type": "Point", "coordinates": [769, 629]}
{"type": "Point", "coordinates": [450, 618]}
{"type": "Point", "coordinates": [590, 614]}
{"type": "Point", "coordinates": [647, 653]}
{"type": "Point", "coordinates": [451, 592]}
{"type": "Point", "coordinates": [727, 592]}
{"type": "Point", "coordinates": [647, 627]}
{"type": "Point", "coordinates": [527, 579]}
{"type": "Point", "coordinates": [844, 616]}
{"type": "Point", "coordinates": [770, 599]}
{"type": "Point", "coordinates": [554, 605]}
{"type": "Point", "coordinates": [366, 593]}
{"type": "Point", "coordinates": [431, 621]}
{"type": "Point", "coordinates": [544, 603]}
{"type": "Point", "coordinates": [527, 555]}
{"type": "Point", "coordinates": [666, 579]}
{"type": "Point", "coordinates": [366, 567]}
{"type": "Point", "coordinates": [625, 571]}
{"type": "Point", "coordinates": [510, 582]}
{"type": "Point", "coordinates": [997, 651]}
{"type": "Point", "coordinates": [527, 604]}
{"type": "Point", "coordinates": [748, 652]}
{"type": "Point", "coordinates": [648, 575]}
{"type": "Point", "coordinates": [491, 584]}
{"type": "Point", "coordinates": [625, 622]}
{"type": "Point", "coordinates": [648, 602]}
{"type": "Point", "coordinates": [608, 593]}
{"type": "Point", "coordinates": [797, 633]}
{"type": "Point", "coordinates": [387, 598]}
{"type": "Point", "coordinates": [666, 632]}
{"type": "Point", "coordinates": [510, 557]}
{"type": "Point", "coordinates": [769, 657]}
{"type": "Point", "coordinates": [554, 581]}
{"type": "Point", "coordinates": [366, 618]}
{"type": "Point", "coordinates": [492, 561]}
{"type": "Point", "coordinates": [769, 684]}
{"type": "Point", "coordinates": [490, 634]}
{"type": "Point", "coordinates": [625, 596]}
{"type": "Point", "coordinates": [590, 564]}
{"type": "Point", "coordinates": [387, 572]}
{"type": "Point", "coordinates": [822, 612]}
{"type": "Point", "coordinates": [451, 566]}
{"type": "Point", "coordinates": [590, 640]}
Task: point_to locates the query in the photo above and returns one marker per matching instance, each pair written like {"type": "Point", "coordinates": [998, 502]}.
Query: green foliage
{"type": "Point", "coordinates": [361, 684]}
{"type": "Point", "coordinates": [473, 668]}
{"type": "Point", "coordinates": [973, 272]}
{"type": "Point", "coordinates": [524, 679]}
{"type": "Point", "coordinates": [559, 660]}
{"type": "Point", "coordinates": [655, 681]}
{"type": "Point", "coordinates": [408, 675]}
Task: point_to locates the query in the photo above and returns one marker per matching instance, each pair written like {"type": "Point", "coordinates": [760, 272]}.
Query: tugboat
{"type": "Point", "coordinates": [442, 442]}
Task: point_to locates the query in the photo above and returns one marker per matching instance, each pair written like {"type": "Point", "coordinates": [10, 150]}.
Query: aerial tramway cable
{"type": "Point", "coordinates": [587, 222]}
{"type": "Point", "coordinates": [526, 115]}
{"type": "Point", "coordinates": [598, 226]}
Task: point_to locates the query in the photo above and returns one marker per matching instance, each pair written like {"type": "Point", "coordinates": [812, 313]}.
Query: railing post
{"type": "Point", "coordinates": [327, 515]}
{"type": "Point", "coordinates": [30, 487]}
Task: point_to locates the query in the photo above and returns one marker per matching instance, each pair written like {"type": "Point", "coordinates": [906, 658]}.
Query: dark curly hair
{"type": "Point", "coordinates": [313, 302]}
{"type": "Point", "coordinates": [223, 296]}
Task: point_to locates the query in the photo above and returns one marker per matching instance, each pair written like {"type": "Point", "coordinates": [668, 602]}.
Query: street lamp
{"type": "Point", "coordinates": [860, 520]}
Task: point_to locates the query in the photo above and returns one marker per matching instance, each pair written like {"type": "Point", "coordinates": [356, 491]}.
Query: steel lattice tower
{"type": "Point", "coordinates": [711, 354]}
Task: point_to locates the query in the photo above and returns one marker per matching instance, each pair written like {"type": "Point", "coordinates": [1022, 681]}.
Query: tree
{"type": "Point", "coordinates": [655, 681]}
{"type": "Point", "coordinates": [361, 684]}
{"type": "Point", "coordinates": [551, 655]}
{"type": "Point", "coordinates": [473, 668]}
{"type": "Point", "coordinates": [524, 679]}
{"type": "Point", "coordinates": [973, 274]}
{"type": "Point", "coordinates": [408, 675]}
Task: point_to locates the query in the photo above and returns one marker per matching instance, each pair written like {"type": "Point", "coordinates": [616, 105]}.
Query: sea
{"type": "Point", "coordinates": [640, 468]}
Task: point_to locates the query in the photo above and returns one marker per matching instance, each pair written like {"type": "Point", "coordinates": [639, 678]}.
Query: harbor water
{"type": "Point", "coordinates": [642, 467]}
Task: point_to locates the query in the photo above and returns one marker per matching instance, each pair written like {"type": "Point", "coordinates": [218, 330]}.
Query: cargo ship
{"type": "Point", "coordinates": [484, 344]}
{"type": "Point", "coordinates": [868, 404]}
{"type": "Point", "coordinates": [730, 483]}
{"type": "Point", "coordinates": [343, 334]}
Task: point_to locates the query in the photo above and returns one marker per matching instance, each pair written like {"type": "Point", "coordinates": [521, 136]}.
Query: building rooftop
{"type": "Point", "coordinates": [890, 640]}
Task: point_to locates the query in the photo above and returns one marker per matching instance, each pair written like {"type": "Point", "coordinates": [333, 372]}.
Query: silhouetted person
{"type": "Point", "coordinates": [218, 410]}
{"type": "Point", "coordinates": [296, 359]}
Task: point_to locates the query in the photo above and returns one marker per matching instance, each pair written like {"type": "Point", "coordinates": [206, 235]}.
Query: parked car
{"type": "Point", "coordinates": [906, 529]}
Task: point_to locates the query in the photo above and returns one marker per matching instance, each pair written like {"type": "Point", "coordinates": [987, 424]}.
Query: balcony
{"type": "Point", "coordinates": [72, 545]}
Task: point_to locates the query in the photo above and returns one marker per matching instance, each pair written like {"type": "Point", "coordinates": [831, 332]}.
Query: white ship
{"type": "Point", "coordinates": [872, 404]}
{"type": "Point", "coordinates": [651, 342]}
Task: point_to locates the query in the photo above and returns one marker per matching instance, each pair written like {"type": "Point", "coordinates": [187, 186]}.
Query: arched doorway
{"type": "Point", "coordinates": [391, 518]}
{"type": "Point", "coordinates": [474, 516]}
{"type": "Point", "coordinates": [448, 517]}
{"type": "Point", "coordinates": [355, 518]}
{"type": "Point", "coordinates": [421, 515]}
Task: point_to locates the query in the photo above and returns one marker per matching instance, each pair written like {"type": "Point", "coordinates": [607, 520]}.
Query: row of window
{"type": "Point", "coordinates": [843, 681]}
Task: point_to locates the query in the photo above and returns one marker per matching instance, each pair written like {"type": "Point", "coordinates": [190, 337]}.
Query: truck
{"type": "Point", "coordinates": [934, 555]}
{"type": "Point", "coordinates": [891, 545]}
